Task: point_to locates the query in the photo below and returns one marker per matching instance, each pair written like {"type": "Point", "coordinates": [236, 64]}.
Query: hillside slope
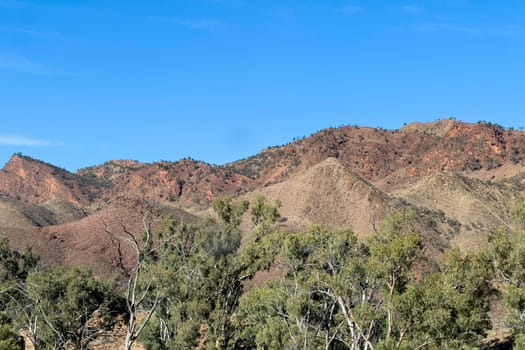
{"type": "Point", "coordinates": [459, 178]}
{"type": "Point", "coordinates": [393, 158]}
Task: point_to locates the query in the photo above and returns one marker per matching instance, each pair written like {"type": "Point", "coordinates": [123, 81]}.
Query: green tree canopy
{"type": "Point", "coordinates": [65, 301]}
{"type": "Point", "coordinates": [9, 339]}
{"type": "Point", "coordinates": [339, 292]}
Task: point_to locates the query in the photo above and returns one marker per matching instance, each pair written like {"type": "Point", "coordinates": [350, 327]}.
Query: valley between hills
{"type": "Point", "coordinates": [460, 180]}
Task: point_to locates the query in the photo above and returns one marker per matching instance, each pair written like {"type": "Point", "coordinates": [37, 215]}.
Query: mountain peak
{"type": "Point", "coordinates": [386, 159]}
{"type": "Point", "coordinates": [438, 128]}
{"type": "Point", "coordinates": [35, 181]}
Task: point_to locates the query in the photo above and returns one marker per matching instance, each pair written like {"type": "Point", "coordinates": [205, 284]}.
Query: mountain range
{"type": "Point", "coordinates": [460, 179]}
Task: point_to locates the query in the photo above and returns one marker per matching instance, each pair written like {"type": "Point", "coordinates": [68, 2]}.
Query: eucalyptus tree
{"type": "Point", "coordinates": [339, 292]}
{"type": "Point", "coordinates": [14, 303]}
{"type": "Point", "coordinates": [74, 307]}
{"type": "Point", "coordinates": [193, 268]}
{"type": "Point", "coordinates": [507, 248]}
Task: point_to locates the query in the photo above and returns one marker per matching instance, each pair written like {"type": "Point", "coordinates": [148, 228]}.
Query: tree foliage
{"type": "Point", "coordinates": [333, 291]}
{"type": "Point", "coordinates": [342, 293]}
{"type": "Point", "coordinates": [194, 269]}
{"type": "Point", "coordinates": [54, 306]}
{"type": "Point", "coordinates": [507, 248]}
{"type": "Point", "coordinates": [9, 339]}
{"type": "Point", "coordinates": [66, 302]}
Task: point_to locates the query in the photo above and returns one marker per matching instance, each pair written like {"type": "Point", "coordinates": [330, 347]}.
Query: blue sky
{"type": "Point", "coordinates": [82, 82]}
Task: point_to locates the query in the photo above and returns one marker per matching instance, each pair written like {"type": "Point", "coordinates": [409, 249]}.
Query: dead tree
{"type": "Point", "coordinates": [137, 293]}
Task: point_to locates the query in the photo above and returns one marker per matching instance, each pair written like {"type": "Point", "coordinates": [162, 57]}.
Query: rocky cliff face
{"type": "Point", "coordinates": [33, 181]}
{"type": "Point", "coordinates": [185, 181]}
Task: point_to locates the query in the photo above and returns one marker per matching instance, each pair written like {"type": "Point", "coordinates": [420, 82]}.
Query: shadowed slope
{"type": "Point", "coordinates": [476, 205]}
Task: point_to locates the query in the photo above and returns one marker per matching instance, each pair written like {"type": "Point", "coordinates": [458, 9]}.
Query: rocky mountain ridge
{"type": "Point", "coordinates": [459, 178]}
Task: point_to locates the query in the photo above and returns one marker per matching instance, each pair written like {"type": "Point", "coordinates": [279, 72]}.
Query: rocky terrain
{"type": "Point", "coordinates": [461, 179]}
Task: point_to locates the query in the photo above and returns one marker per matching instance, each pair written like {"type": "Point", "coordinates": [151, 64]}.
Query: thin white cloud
{"type": "Point", "coordinates": [15, 62]}
{"type": "Point", "coordinates": [9, 140]}
{"type": "Point", "coordinates": [352, 9]}
{"type": "Point", "coordinates": [412, 9]}
{"type": "Point", "coordinates": [197, 24]}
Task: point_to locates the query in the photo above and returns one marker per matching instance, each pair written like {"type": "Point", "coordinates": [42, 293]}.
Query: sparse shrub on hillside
{"type": "Point", "coordinates": [455, 224]}
{"type": "Point", "coordinates": [491, 125]}
{"type": "Point", "coordinates": [472, 165]}
{"type": "Point", "coordinates": [515, 156]}
{"type": "Point", "coordinates": [492, 163]}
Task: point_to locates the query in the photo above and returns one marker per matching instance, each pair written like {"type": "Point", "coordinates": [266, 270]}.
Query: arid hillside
{"type": "Point", "coordinates": [186, 181]}
{"type": "Point", "coordinates": [461, 179]}
{"type": "Point", "coordinates": [392, 158]}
